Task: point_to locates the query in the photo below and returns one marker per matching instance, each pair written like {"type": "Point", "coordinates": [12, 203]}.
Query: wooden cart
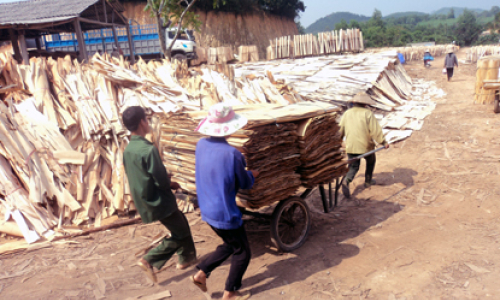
{"type": "Point", "coordinates": [291, 218]}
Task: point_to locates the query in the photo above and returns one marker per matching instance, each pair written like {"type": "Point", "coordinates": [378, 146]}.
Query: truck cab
{"type": "Point", "coordinates": [185, 45]}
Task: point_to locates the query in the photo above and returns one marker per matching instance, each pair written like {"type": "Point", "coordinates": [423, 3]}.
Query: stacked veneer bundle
{"type": "Point", "coordinates": [350, 40]}
{"type": "Point", "coordinates": [248, 53]}
{"type": "Point", "coordinates": [273, 151]}
{"type": "Point", "coordinates": [474, 54]}
{"type": "Point", "coordinates": [320, 150]}
{"type": "Point", "coordinates": [487, 71]}
{"type": "Point", "coordinates": [269, 143]}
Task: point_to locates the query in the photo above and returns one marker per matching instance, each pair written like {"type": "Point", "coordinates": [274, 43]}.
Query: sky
{"type": "Point", "coordinates": [316, 9]}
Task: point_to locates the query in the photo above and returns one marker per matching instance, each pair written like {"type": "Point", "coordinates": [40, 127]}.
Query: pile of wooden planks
{"type": "Point", "coordinates": [82, 107]}
{"type": "Point", "coordinates": [474, 54]}
{"type": "Point", "coordinates": [269, 143]}
{"type": "Point", "coordinates": [63, 137]}
{"type": "Point", "coordinates": [488, 70]}
{"type": "Point", "coordinates": [220, 55]}
{"type": "Point", "coordinates": [414, 53]}
{"type": "Point", "coordinates": [338, 78]}
{"type": "Point", "coordinates": [248, 53]}
{"type": "Point", "coordinates": [341, 41]}
{"type": "Point", "coordinates": [320, 150]}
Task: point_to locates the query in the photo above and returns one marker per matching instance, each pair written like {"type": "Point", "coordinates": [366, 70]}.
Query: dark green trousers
{"type": "Point", "coordinates": [180, 242]}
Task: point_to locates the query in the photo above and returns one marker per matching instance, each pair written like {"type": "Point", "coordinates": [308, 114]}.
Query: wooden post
{"type": "Point", "coordinates": [38, 42]}
{"type": "Point", "coordinates": [24, 49]}
{"type": "Point", "coordinates": [15, 45]}
{"type": "Point", "coordinates": [130, 45]}
{"type": "Point", "coordinates": [115, 36]}
{"type": "Point", "coordinates": [104, 10]}
{"type": "Point", "coordinates": [81, 42]}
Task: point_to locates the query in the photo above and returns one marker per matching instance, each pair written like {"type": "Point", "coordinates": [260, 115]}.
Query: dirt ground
{"type": "Point", "coordinates": [429, 231]}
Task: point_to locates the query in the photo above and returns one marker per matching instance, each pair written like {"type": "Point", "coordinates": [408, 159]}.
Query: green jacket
{"type": "Point", "coordinates": [361, 129]}
{"type": "Point", "coordinates": [148, 180]}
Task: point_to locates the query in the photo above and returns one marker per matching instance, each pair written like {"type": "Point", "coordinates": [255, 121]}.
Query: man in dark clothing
{"type": "Point", "coordinates": [450, 62]}
{"type": "Point", "coordinates": [220, 173]}
{"type": "Point", "coordinates": [151, 190]}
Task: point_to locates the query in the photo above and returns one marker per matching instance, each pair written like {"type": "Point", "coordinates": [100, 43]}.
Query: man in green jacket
{"type": "Point", "coordinates": [361, 130]}
{"type": "Point", "coordinates": [151, 190]}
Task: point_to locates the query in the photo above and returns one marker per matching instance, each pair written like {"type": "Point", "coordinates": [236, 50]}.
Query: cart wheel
{"type": "Point", "coordinates": [290, 224]}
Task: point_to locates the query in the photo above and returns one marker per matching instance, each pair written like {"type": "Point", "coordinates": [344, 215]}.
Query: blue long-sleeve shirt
{"type": "Point", "coordinates": [220, 172]}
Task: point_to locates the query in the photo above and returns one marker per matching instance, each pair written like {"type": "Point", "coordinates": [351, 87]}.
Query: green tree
{"type": "Point", "coordinates": [286, 8]}
{"type": "Point", "coordinates": [376, 19]}
{"type": "Point", "coordinates": [341, 25]}
{"type": "Point", "coordinates": [175, 12]}
{"type": "Point", "coordinates": [354, 24]}
{"type": "Point", "coordinates": [494, 26]}
{"type": "Point", "coordinates": [300, 28]}
{"type": "Point", "coordinates": [467, 30]}
{"type": "Point", "coordinates": [451, 14]}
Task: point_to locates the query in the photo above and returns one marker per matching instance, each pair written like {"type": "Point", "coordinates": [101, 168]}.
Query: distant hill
{"type": "Point", "coordinates": [458, 10]}
{"type": "Point", "coordinates": [404, 14]}
{"type": "Point", "coordinates": [328, 22]}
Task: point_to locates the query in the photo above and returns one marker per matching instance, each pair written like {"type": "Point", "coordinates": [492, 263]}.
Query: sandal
{"type": "Point", "coordinates": [186, 265]}
{"type": "Point", "coordinates": [244, 296]}
{"type": "Point", "coordinates": [201, 286]}
{"type": "Point", "coordinates": [148, 269]}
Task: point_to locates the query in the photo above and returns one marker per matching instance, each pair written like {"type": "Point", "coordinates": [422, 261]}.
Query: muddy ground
{"type": "Point", "coordinates": [430, 230]}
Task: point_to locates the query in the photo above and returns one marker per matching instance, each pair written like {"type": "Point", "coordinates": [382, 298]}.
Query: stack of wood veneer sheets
{"type": "Point", "coordinates": [286, 144]}
{"type": "Point", "coordinates": [320, 150]}
{"type": "Point", "coordinates": [63, 138]}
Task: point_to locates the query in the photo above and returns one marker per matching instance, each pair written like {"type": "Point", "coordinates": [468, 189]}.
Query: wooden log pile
{"type": "Point", "coordinates": [350, 40]}
{"type": "Point", "coordinates": [320, 150]}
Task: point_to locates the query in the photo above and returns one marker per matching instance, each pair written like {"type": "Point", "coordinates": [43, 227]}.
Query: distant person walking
{"type": "Point", "coordinates": [428, 57]}
{"type": "Point", "coordinates": [361, 130]}
{"type": "Point", "coordinates": [151, 191]}
{"type": "Point", "coordinates": [450, 62]}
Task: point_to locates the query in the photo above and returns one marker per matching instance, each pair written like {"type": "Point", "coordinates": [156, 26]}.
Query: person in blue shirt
{"type": "Point", "coordinates": [401, 58]}
{"type": "Point", "coordinates": [220, 173]}
{"type": "Point", "coordinates": [427, 57]}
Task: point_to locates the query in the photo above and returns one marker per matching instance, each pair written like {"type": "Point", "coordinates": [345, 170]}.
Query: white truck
{"type": "Point", "coordinates": [185, 45]}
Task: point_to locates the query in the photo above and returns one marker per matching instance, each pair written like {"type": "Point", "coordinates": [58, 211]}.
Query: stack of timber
{"type": "Point", "coordinates": [350, 40]}
{"type": "Point", "coordinates": [269, 143]}
{"type": "Point", "coordinates": [76, 177]}
{"type": "Point", "coordinates": [474, 54]}
{"type": "Point", "coordinates": [320, 150]}
{"type": "Point", "coordinates": [220, 55]}
{"type": "Point", "coordinates": [248, 53]}
{"type": "Point", "coordinates": [84, 103]}
{"type": "Point", "coordinates": [487, 71]}
{"type": "Point", "coordinates": [414, 53]}
{"type": "Point", "coordinates": [338, 78]}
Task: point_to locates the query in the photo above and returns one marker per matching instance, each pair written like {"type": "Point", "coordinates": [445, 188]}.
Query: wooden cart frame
{"type": "Point", "coordinates": [291, 218]}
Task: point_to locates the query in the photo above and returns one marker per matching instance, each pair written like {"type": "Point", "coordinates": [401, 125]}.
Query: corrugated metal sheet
{"type": "Point", "coordinates": [42, 11]}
